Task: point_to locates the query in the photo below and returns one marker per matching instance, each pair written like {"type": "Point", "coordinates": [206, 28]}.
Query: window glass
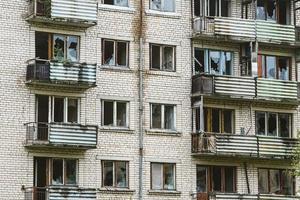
{"type": "Point", "coordinates": [157, 176]}
{"type": "Point", "coordinates": [272, 124]}
{"type": "Point", "coordinates": [168, 58]}
{"type": "Point", "coordinates": [169, 117]}
{"type": "Point", "coordinates": [156, 116]}
{"type": "Point", "coordinates": [109, 57]}
{"type": "Point", "coordinates": [108, 113]}
{"type": "Point", "coordinates": [228, 63]}
{"type": "Point", "coordinates": [156, 4]}
{"type": "Point", "coordinates": [199, 60]}
{"type": "Point", "coordinates": [201, 179]}
{"type": "Point", "coordinates": [169, 5]}
{"type": "Point", "coordinates": [260, 10]}
{"type": "Point", "coordinates": [58, 109]}
{"type": "Point", "coordinates": [215, 61]}
{"type": "Point", "coordinates": [287, 183]}
{"type": "Point", "coordinates": [72, 53]}
{"type": "Point", "coordinates": [271, 10]}
{"type": "Point", "coordinates": [107, 173]}
{"type": "Point", "coordinates": [197, 120]}
{"type": "Point", "coordinates": [216, 182]}
{"type": "Point", "coordinates": [263, 181]}
{"type": "Point", "coordinates": [229, 179]}
{"type": "Point", "coordinates": [283, 68]}
{"type": "Point", "coordinates": [58, 47]}
{"type": "Point", "coordinates": [121, 3]}
{"type": "Point", "coordinates": [227, 121]}
{"type": "Point", "coordinates": [284, 125]}
{"type": "Point", "coordinates": [260, 123]}
{"type": "Point", "coordinates": [72, 110]}
{"type": "Point", "coordinates": [225, 8]}
{"type": "Point", "coordinates": [122, 53]}
{"type": "Point", "coordinates": [155, 57]}
{"type": "Point", "coordinates": [213, 5]}
{"type": "Point", "coordinates": [215, 121]}
{"type": "Point", "coordinates": [121, 113]}
{"type": "Point", "coordinates": [274, 181]}
{"type": "Point", "coordinates": [57, 172]}
{"type": "Point", "coordinates": [169, 177]}
{"type": "Point", "coordinates": [121, 174]}
{"type": "Point", "coordinates": [271, 66]}
{"type": "Point", "coordinates": [71, 171]}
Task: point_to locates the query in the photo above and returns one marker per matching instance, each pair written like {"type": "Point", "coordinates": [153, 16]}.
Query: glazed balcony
{"type": "Point", "coordinates": [236, 196]}
{"type": "Point", "coordinates": [212, 144]}
{"type": "Point", "coordinates": [244, 29]}
{"type": "Point", "coordinates": [61, 135]}
{"type": "Point", "coordinates": [75, 13]}
{"type": "Point", "coordinates": [50, 73]}
{"type": "Point", "coordinates": [246, 88]}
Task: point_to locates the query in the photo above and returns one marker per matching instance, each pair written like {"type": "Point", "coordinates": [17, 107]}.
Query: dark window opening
{"type": "Point", "coordinates": [114, 53]}
{"type": "Point", "coordinates": [58, 109]}
{"type": "Point", "coordinates": [199, 60]}
{"type": "Point", "coordinates": [115, 174]}
{"type": "Point", "coordinates": [108, 113]}
{"type": "Point", "coordinates": [273, 10]}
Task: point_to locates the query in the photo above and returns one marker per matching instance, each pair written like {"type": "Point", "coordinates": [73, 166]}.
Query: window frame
{"type": "Point", "coordinates": [162, 6]}
{"type": "Point", "coordinates": [266, 114]}
{"type": "Point", "coordinates": [162, 127]}
{"type": "Point", "coordinates": [115, 102]}
{"type": "Point", "coordinates": [161, 57]}
{"type": "Point", "coordinates": [204, 8]}
{"type": "Point", "coordinates": [102, 2]}
{"type": "Point", "coordinates": [64, 171]}
{"type": "Point", "coordinates": [163, 175]}
{"type": "Point", "coordinates": [114, 170]}
{"type": "Point", "coordinates": [115, 50]}
{"type": "Point", "coordinates": [66, 39]}
{"type": "Point", "coordinates": [277, 12]}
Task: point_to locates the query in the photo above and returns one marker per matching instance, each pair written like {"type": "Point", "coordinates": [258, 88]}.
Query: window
{"type": "Point", "coordinates": [275, 181]}
{"type": "Point", "coordinates": [273, 124]}
{"type": "Point", "coordinates": [274, 67]}
{"type": "Point", "coordinates": [213, 62]}
{"type": "Point", "coordinates": [273, 10]}
{"type": "Point", "coordinates": [115, 53]}
{"type": "Point", "coordinates": [115, 174]}
{"type": "Point", "coordinates": [212, 8]}
{"type": "Point", "coordinates": [162, 57]}
{"type": "Point", "coordinates": [216, 120]}
{"type": "Point", "coordinates": [64, 171]}
{"type": "Point", "coordinates": [216, 179]}
{"type": "Point", "coordinates": [163, 176]}
{"type": "Point", "coordinates": [123, 3]}
{"type": "Point", "coordinates": [115, 113]}
{"type": "Point", "coordinates": [56, 46]}
{"type": "Point", "coordinates": [163, 5]}
{"type": "Point", "coordinates": [163, 116]}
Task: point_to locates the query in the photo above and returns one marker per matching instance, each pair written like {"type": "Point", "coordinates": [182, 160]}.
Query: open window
{"type": "Point", "coordinates": [115, 174]}
{"type": "Point", "coordinates": [274, 67]}
{"type": "Point", "coordinates": [115, 53]}
{"type": "Point", "coordinates": [219, 8]}
{"type": "Point", "coordinates": [273, 10]}
{"type": "Point", "coordinates": [163, 176]}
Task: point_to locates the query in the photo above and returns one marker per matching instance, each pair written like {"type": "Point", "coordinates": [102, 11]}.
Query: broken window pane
{"type": "Point", "coordinates": [274, 181]}
{"type": "Point", "coordinates": [121, 114]}
{"type": "Point", "coordinates": [168, 58]}
{"type": "Point", "coordinates": [107, 173]}
{"type": "Point", "coordinates": [169, 177]}
{"type": "Point", "coordinates": [59, 47]}
{"type": "Point", "coordinates": [199, 61]}
{"type": "Point", "coordinates": [108, 113]}
{"type": "Point", "coordinates": [272, 124]}
{"type": "Point", "coordinates": [109, 57]}
{"type": "Point", "coordinates": [155, 57]}
{"type": "Point", "coordinates": [215, 61]}
{"type": "Point", "coordinates": [284, 125]}
{"type": "Point", "coordinates": [71, 171]}
{"type": "Point", "coordinates": [122, 53]}
{"type": "Point", "coordinates": [57, 172]}
{"type": "Point", "coordinates": [260, 123]}
{"type": "Point", "coordinates": [263, 186]}
{"type": "Point", "coordinates": [283, 68]}
{"type": "Point", "coordinates": [169, 5]}
{"type": "Point", "coordinates": [58, 109]}
{"type": "Point", "coordinates": [201, 179]}
{"type": "Point", "coordinates": [156, 116]}
{"type": "Point", "coordinates": [216, 182]}
{"type": "Point", "coordinates": [72, 53]}
{"type": "Point", "coordinates": [229, 179]}
{"type": "Point", "coordinates": [156, 4]}
{"type": "Point", "coordinates": [121, 174]}
{"type": "Point", "coordinates": [169, 117]}
{"type": "Point", "coordinates": [73, 110]}
{"type": "Point", "coordinates": [271, 10]}
{"type": "Point", "coordinates": [157, 176]}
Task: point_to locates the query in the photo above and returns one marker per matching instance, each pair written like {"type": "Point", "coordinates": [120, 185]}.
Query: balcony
{"type": "Point", "coordinates": [246, 88]}
{"type": "Point", "coordinates": [244, 29]}
{"type": "Point", "coordinates": [74, 13]}
{"type": "Point", "coordinates": [60, 135]}
{"type": "Point", "coordinates": [243, 146]}
{"type": "Point", "coordinates": [50, 73]}
{"type": "Point", "coordinates": [235, 196]}
{"type": "Point", "coordinates": [66, 193]}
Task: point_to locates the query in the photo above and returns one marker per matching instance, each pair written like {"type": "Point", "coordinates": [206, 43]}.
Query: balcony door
{"type": "Point", "coordinates": [202, 183]}
{"type": "Point", "coordinates": [41, 168]}
{"type": "Point", "coordinates": [42, 117]}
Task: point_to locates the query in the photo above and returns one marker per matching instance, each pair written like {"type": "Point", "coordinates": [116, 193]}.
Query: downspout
{"type": "Point", "coordinates": [141, 96]}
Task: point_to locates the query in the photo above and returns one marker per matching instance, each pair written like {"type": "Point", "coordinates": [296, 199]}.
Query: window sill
{"type": "Point", "coordinates": [112, 190]}
{"type": "Point", "coordinates": [156, 13]}
{"type": "Point", "coordinates": [114, 68]}
{"type": "Point", "coordinates": [113, 8]}
{"type": "Point", "coordinates": [163, 73]}
{"type": "Point", "coordinates": [163, 132]}
{"type": "Point", "coordinates": [116, 129]}
{"type": "Point", "coordinates": [164, 192]}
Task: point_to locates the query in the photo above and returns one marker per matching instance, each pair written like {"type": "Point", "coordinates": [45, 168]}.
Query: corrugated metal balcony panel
{"type": "Point", "coordinates": [71, 193]}
{"type": "Point", "coordinates": [252, 197]}
{"type": "Point", "coordinates": [270, 88]}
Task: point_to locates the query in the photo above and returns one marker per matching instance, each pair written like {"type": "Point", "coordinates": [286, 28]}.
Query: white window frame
{"type": "Point", "coordinates": [163, 116]}
{"type": "Point", "coordinates": [161, 57]}
{"type": "Point", "coordinates": [162, 8]}
{"type": "Point", "coordinates": [162, 175]}
{"type": "Point", "coordinates": [114, 52]}
{"type": "Point", "coordinates": [115, 113]}
{"type": "Point", "coordinates": [102, 2]}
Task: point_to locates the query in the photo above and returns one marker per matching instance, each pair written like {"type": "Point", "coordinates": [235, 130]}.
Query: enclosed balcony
{"type": "Point", "coordinates": [74, 13]}
{"type": "Point", "coordinates": [214, 144]}
{"type": "Point", "coordinates": [61, 135]}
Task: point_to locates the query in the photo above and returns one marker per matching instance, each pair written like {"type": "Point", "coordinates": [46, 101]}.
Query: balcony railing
{"type": "Point", "coordinates": [53, 193]}
{"type": "Point", "coordinates": [244, 146]}
{"type": "Point", "coordinates": [45, 72]}
{"type": "Point", "coordinates": [80, 13]}
{"type": "Point", "coordinates": [236, 196]}
{"type": "Point", "coordinates": [246, 88]}
{"type": "Point", "coordinates": [263, 31]}
{"type": "Point", "coordinates": [61, 135]}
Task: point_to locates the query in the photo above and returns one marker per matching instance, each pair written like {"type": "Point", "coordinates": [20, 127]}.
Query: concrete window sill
{"type": "Point", "coordinates": [163, 132]}
{"type": "Point", "coordinates": [113, 8]}
{"type": "Point", "coordinates": [164, 192]}
{"type": "Point", "coordinates": [111, 190]}
{"type": "Point", "coordinates": [156, 13]}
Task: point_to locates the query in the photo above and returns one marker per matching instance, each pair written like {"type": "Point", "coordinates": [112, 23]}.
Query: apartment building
{"type": "Point", "coordinates": [149, 99]}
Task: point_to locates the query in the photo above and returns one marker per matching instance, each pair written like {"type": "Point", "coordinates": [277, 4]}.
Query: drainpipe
{"type": "Point", "coordinates": [141, 108]}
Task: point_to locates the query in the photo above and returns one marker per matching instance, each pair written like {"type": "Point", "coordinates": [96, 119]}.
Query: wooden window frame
{"type": "Point", "coordinates": [163, 116]}
{"type": "Point", "coordinates": [64, 171]}
{"type": "Point", "coordinates": [115, 102]}
{"type": "Point", "coordinates": [161, 57]}
{"type": "Point", "coordinates": [66, 38]}
{"type": "Point", "coordinates": [163, 175]}
{"type": "Point", "coordinates": [115, 52]}
{"type": "Point", "coordinates": [277, 11]}
{"type": "Point", "coordinates": [114, 173]}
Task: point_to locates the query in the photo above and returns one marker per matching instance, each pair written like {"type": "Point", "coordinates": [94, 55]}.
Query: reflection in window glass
{"type": "Point", "coordinates": [260, 10]}
{"type": "Point", "coordinates": [72, 53]}
{"type": "Point", "coordinates": [168, 58]}
{"type": "Point", "coordinates": [58, 47]}
{"type": "Point", "coordinates": [109, 57]}
{"type": "Point", "coordinates": [271, 10]}
{"type": "Point", "coordinates": [156, 116]}
{"type": "Point", "coordinates": [274, 181]}
{"type": "Point", "coordinates": [263, 186]}
{"type": "Point", "coordinates": [169, 117]}
{"type": "Point", "coordinates": [156, 4]}
{"type": "Point", "coordinates": [121, 113]}
{"type": "Point", "coordinates": [107, 173]}
{"type": "Point", "coordinates": [121, 174]}
{"type": "Point", "coordinates": [287, 183]}
{"type": "Point", "coordinates": [215, 62]}
{"type": "Point", "coordinates": [201, 179]}
{"type": "Point", "coordinates": [272, 124]}
{"type": "Point", "coordinates": [260, 123]}
{"type": "Point", "coordinates": [121, 3]}
{"type": "Point", "coordinates": [72, 110]}
{"type": "Point", "coordinates": [169, 5]}
{"type": "Point", "coordinates": [57, 172]}
{"type": "Point", "coordinates": [71, 171]}
{"type": "Point", "coordinates": [169, 177]}
{"type": "Point", "coordinates": [157, 176]}
{"type": "Point", "coordinates": [271, 66]}
{"type": "Point", "coordinates": [122, 53]}
{"type": "Point", "coordinates": [283, 68]}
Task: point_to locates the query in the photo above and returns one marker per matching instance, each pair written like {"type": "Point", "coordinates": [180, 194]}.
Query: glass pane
{"type": "Point", "coordinates": [58, 47]}
{"type": "Point", "coordinates": [260, 123]}
{"type": "Point", "coordinates": [107, 173]}
{"type": "Point", "coordinates": [271, 10]}
{"type": "Point", "coordinates": [121, 114]}
{"type": "Point", "coordinates": [283, 16]}
{"type": "Point", "coordinates": [216, 179]}
{"type": "Point", "coordinates": [272, 124]}
{"type": "Point", "coordinates": [287, 183]}
{"type": "Point", "coordinates": [213, 8]}
{"type": "Point", "coordinates": [109, 57]}
{"type": "Point", "coordinates": [225, 8]}
{"type": "Point", "coordinates": [263, 186]}
{"type": "Point", "coordinates": [155, 57]}
{"type": "Point", "coordinates": [73, 110]}
{"type": "Point", "coordinates": [108, 113]}
{"type": "Point", "coordinates": [168, 58]}
{"type": "Point", "coordinates": [284, 125]}
{"type": "Point", "coordinates": [71, 171]}
{"type": "Point", "coordinates": [121, 174]}
{"type": "Point", "coordinates": [169, 177]}
{"type": "Point", "coordinates": [122, 53]}
{"type": "Point", "coordinates": [169, 117]}
{"type": "Point", "coordinates": [58, 109]}
{"type": "Point", "coordinates": [57, 172]}
{"type": "Point", "coordinates": [155, 4]}
{"type": "Point", "coordinates": [73, 48]}
{"type": "Point", "coordinates": [229, 179]}
{"type": "Point", "coordinates": [227, 121]}
{"type": "Point", "coordinates": [215, 62]}
{"type": "Point", "coordinates": [283, 68]}
{"type": "Point", "coordinates": [199, 61]}
{"type": "Point", "coordinates": [156, 179]}
{"type": "Point", "coordinates": [271, 67]}
{"type": "Point", "coordinates": [121, 3]}
{"type": "Point", "coordinates": [201, 179]}
{"type": "Point", "coordinates": [274, 181]}
{"type": "Point", "coordinates": [228, 64]}
{"type": "Point", "coordinates": [215, 123]}
{"type": "Point", "coordinates": [260, 10]}
{"type": "Point", "coordinates": [156, 116]}
{"type": "Point", "coordinates": [169, 5]}
{"type": "Point", "coordinates": [110, 2]}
